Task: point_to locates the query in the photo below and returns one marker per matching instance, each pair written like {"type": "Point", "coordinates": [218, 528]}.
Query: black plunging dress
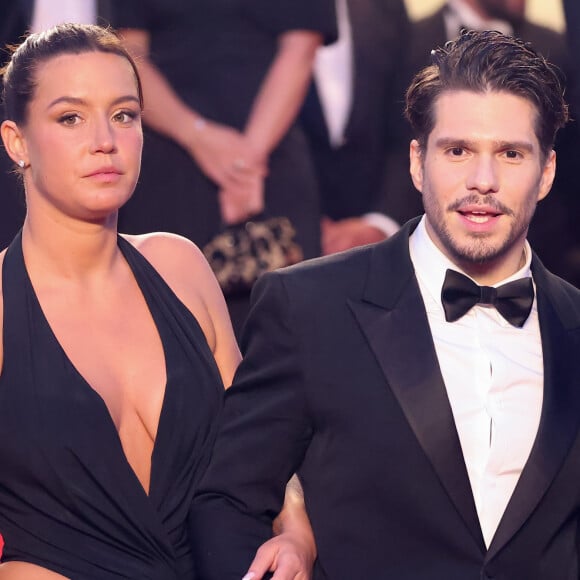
{"type": "Point", "coordinates": [69, 500]}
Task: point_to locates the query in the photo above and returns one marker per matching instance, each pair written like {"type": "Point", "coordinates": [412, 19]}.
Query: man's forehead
{"type": "Point", "coordinates": [495, 116]}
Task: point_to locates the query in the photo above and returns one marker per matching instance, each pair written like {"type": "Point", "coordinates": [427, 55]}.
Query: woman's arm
{"type": "Point", "coordinates": [282, 92]}
{"type": "Point", "coordinates": [291, 553]}
{"type": "Point", "coordinates": [275, 107]}
{"type": "Point", "coordinates": [216, 148]}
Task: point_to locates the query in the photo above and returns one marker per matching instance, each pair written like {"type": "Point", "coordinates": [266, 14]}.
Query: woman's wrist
{"type": "Point", "coordinates": [189, 132]}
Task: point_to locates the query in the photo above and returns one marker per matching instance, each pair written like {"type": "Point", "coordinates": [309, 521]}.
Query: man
{"type": "Point", "coordinates": [554, 232]}
{"type": "Point", "coordinates": [351, 116]}
{"type": "Point", "coordinates": [433, 440]}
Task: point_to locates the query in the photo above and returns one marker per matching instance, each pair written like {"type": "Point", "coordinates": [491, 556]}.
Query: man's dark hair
{"type": "Point", "coordinates": [489, 61]}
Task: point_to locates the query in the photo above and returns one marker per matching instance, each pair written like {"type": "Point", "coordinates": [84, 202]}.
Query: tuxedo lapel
{"type": "Point", "coordinates": [393, 318]}
{"type": "Point", "coordinates": [560, 418]}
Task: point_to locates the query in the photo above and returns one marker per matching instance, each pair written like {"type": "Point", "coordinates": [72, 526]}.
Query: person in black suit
{"type": "Point", "coordinates": [434, 437]}
{"type": "Point", "coordinates": [572, 15]}
{"type": "Point", "coordinates": [350, 163]}
{"type": "Point", "coordinates": [553, 232]}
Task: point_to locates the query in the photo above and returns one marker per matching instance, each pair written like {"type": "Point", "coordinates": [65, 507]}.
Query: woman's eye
{"type": "Point", "coordinates": [124, 116]}
{"type": "Point", "coordinates": [69, 119]}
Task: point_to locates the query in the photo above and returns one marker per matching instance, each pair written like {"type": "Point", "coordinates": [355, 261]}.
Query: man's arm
{"type": "Point", "coordinates": [264, 432]}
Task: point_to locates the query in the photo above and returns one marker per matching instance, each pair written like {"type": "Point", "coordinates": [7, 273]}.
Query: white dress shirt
{"type": "Point", "coordinates": [48, 13]}
{"type": "Point", "coordinates": [494, 376]}
{"type": "Point", "coordinates": [333, 74]}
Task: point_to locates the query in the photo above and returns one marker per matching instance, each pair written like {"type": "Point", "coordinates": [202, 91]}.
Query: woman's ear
{"type": "Point", "coordinates": [14, 143]}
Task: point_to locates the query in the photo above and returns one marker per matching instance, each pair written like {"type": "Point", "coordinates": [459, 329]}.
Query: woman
{"type": "Point", "coordinates": [223, 83]}
{"type": "Point", "coordinates": [114, 349]}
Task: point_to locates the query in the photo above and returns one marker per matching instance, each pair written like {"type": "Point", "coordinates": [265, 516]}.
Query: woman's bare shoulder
{"type": "Point", "coordinates": [178, 261]}
{"type": "Point", "coordinates": [186, 271]}
{"type": "Point", "coordinates": [184, 268]}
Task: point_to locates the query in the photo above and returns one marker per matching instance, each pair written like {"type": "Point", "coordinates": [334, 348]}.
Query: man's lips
{"type": "Point", "coordinates": [479, 214]}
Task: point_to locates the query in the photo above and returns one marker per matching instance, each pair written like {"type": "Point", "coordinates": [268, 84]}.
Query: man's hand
{"type": "Point", "coordinates": [347, 233]}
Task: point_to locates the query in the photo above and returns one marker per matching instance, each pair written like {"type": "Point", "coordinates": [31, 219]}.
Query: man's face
{"type": "Point", "coordinates": [481, 175]}
{"type": "Point", "coordinates": [511, 10]}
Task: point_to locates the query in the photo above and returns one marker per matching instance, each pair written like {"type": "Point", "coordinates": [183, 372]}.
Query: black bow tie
{"type": "Point", "coordinates": [512, 300]}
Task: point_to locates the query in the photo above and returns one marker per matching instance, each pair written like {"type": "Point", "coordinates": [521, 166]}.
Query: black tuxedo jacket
{"type": "Point", "coordinates": [350, 175]}
{"type": "Point", "coordinates": [340, 382]}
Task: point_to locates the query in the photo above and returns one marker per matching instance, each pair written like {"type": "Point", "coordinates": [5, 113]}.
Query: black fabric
{"type": "Point", "coordinates": [69, 500]}
{"type": "Point", "coordinates": [513, 300]}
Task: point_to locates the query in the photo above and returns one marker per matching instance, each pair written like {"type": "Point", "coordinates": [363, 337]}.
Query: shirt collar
{"type": "Point", "coordinates": [431, 264]}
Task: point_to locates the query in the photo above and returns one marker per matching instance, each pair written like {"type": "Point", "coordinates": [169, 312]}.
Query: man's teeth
{"type": "Point", "coordinates": [478, 218]}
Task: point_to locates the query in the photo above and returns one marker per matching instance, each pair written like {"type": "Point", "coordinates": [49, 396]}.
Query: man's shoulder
{"type": "Point", "coordinates": [564, 297]}
{"type": "Point", "coordinates": [333, 269]}
{"type": "Point", "coordinates": [347, 274]}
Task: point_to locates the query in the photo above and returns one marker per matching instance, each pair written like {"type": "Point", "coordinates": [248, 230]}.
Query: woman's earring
{"type": "Point", "coordinates": [21, 164]}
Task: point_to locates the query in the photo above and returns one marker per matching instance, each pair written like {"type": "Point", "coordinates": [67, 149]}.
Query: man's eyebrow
{"type": "Point", "coordinates": [445, 142]}
{"type": "Point", "coordinates": [449, 142]}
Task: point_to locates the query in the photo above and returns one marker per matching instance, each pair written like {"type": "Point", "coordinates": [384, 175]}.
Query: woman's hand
{"type": "Point", "coordinates": [240, 202]}
{"type": "Point", "coordinates": [289, 555]}
{"type": "Point", "coordinates": [292, 552]}
{"type": "Point", "coordinates": [225, 156]}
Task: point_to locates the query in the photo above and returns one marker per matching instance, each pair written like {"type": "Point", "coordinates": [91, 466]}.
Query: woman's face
{"type": "Point", "coordinates": [82, 139]}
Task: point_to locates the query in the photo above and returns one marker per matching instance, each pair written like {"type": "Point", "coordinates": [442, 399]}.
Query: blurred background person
{"type": "Point", "coordinates": [351, 114]}
{"type": "Point", "coordinates": [223, 83]}
{"type": "Point", "coordinates": [572, 15]}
